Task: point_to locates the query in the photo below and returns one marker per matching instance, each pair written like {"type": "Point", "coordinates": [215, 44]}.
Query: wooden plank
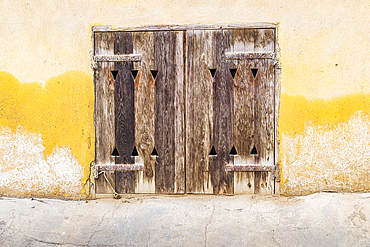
{"type": "Point", "coordinates": [264, 40]}
{"type": "Point", "coordinates": [179, 186]}
{"type": "Point", "coordinates": [222, 181]}
{"type": "Point", "coordinates": [243, 129]}
{"type": "Point", "coordinates": [264, 110]}
{"type": "Point", "coordinates": [277, 87]}
{"type": "Point", "coordinates": [199, 111]}
{"type": "Point", "coordinates": [258, 25]}
{"type": "Point", "coordinates": [144, 111]}
{"type": "Point", "coordinates": [124, 113]}
{"type": "Point", "coordinates": [243, 182]}
{"type": "Point", "coordinates": [165, 86]}
{"type": "Point", "coordinates": [125, 182]}
{"type": "Point", "coordinates": [104, 111]}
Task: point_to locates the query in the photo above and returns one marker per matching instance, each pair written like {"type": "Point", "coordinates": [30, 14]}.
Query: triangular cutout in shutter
{"type": "Point", "coordinates": [154, 153]}
{"type": "Point", "coordinates": [213, 151]}
{"type": "Point", "coordinates": [254, 72]}
{"type": "Point", "coordinates": [134, 152]}
{"type": "Point", "coordinates": [154, 73]}
{"type": "Point", "coordinates": [114, 74]}
{"type": "Point", "coordinates": [233, 151]}
{"type": "Point", "coordinates": [115, 152]}
{"type": "Point", "coordinates": [134, 73]}
{"type": "Point", "coordinates": [213, 72]}
{"type": "Point", "coordinates": [233, 72]}
{"type": "Point", "coordinates": [254, 150]}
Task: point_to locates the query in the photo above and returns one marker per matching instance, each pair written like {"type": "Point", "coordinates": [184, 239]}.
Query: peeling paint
{"type": "Point", "coordinates": [327, 158]}
{"type": "Point", "coordinates": [52, 132]}
{"type": "Point", "coordinates": [26, 171]}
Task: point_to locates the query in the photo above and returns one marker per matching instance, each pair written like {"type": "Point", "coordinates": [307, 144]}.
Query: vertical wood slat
{"type": "Point", "coordinates": [223, 105]}
{"type": "Point", "coordinates": [179, 186]}
{"type": "Point", "coordinates": [168, 83]}
{"type": "Point", "coordinates": [104, 111]}
{"type": "Point", "coordinates": [143, 43]}
{"type": "Point", "coordinates": [199, 111]}
{"type": "Point", "coordinates": [124, 113]}
{"type": "Point", "coordinates": [264, 110]}
{"type": "Point", "coordinates": [243, 132]}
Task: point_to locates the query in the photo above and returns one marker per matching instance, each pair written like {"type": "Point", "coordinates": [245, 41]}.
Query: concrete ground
{"type": "Point", "coordinates": [325, 219]}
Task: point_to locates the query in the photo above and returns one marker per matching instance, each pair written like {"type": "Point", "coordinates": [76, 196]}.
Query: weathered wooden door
{"type": "Point", "coordinates": [229, 111]}
{"type": "Point", "coordinates": [189, 111]}
{"type": "Point", "coordinates": [139, 112]}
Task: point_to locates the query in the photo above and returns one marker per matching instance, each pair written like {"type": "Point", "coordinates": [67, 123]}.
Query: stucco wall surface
{"type": "Point", "coordinates": [47, 99]}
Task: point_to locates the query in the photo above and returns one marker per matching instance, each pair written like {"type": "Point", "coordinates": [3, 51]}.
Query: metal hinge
{"type": "Point", "coordinates": [93, 169]}
{"type": "Point", "coordinates": [114, 58]}
{"type": "Point", "coordinates": [249, 55]}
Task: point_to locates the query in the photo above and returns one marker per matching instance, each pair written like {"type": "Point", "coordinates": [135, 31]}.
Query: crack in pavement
{"type": "Point", "coordinates": [98, 226]}
{"type": "Point", "coordinates": [53, 243]}
{"type": "Point", "coordinates": [263, 218]}
{"type": "Point", "coordinates": [208, 223]}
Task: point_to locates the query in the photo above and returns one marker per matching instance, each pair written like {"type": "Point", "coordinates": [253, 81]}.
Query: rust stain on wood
{"type": "Point", "coordinates": [249, 167]}
{"type": "Point", "coordinates": [120, 167]}
{"type": "Point", "coordinates": [118, 58]}
{"type": "Point", "coordinates": [249, 55]}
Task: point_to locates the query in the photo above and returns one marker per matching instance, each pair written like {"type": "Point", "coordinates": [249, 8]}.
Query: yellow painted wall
{"type": "Point", "coordinates": [46, 87]}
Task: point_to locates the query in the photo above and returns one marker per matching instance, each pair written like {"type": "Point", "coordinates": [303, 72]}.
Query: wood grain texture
{"type": "Point", "coordinates": [223, 105]}
{"type": "Point", "coordinates": [143, 43]}
{"type": "Point", "coordinates": [264, 110]}
{"type": "Point", "coordinates": [179, 186]}
{"type": "Point", "coordinates": [166, 86]}
{"type": "Point", "coordinates": [104, 111]}
{"type": "Point", "coordinates": [243, 129]}
{"type": "Point", "coordinates": [219, 111]}
{"type": "Point", "coordinates": [253, 108]}
{"type": "Point", "coordinates": [199, 111]}
{"type": "Point", "coordinates": [124, 113]}
{"type": "Point", "coordinates": [243, 183]}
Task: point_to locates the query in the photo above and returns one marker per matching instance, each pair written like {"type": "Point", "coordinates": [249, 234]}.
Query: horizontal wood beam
{"type": "Point", "coordinates": [249, 55]}
{"type": "Point", "coordinates": [259, 25]}
{"type": "Point", "coordinates": [118, 58]}
{"type": "Point", "coordinates": [120, 167]}
{"type": "Point", "coordinates": [248, 168]}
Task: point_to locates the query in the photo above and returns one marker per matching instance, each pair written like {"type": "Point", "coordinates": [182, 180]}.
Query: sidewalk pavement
{"type": "Point", "coordinates": [324, 219]}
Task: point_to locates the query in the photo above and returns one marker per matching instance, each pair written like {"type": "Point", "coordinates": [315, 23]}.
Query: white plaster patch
{"type": "Point", "coordinates": [322, 159]}
{"type": "Point", "coordinates": [25, 170]}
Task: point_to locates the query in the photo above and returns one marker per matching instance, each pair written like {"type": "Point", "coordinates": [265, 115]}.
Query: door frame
{"type": "Point", "coordinates": [277, 87]}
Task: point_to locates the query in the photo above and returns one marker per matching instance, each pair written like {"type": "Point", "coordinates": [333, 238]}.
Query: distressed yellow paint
{"type": "Point", "coordinates": [297, 110]}
{"type": "Point", "coordinates": [61, 111]}
{"type": "Point", "coordinates": [324, 144]}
